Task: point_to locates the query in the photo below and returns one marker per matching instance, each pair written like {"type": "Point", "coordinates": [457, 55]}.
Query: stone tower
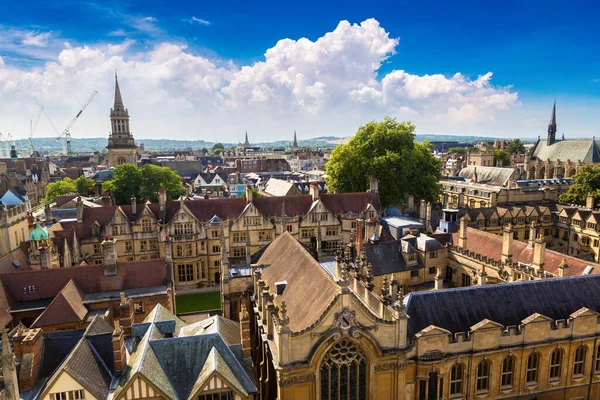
{"type": "Point", "coordinates": [295, 144]}
{"type": "Point", "coordinates": [121, 146]}
{"type": "Point", "coordinates": [9, 370]}
{"type": "Point", "coordinates": [552, 126]}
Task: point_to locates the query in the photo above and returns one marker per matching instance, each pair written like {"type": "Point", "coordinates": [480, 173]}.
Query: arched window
{"type": "Point", "coordinates": [456, 379]}
{"type": "Point", "coordinates": [598, 360]}
{"type": "Point", "coordinates": [579, 362]}
{"type": "Point", "coordinates": [344, 372]}
{"type": "Point", "coordinates": [555, 364]}
{"type": "Point", "coordinates": [483, 376]}
{"type": "Point", "coordinates": [533, 363]}
{"type": "Point", "coordinates": [508, 367]}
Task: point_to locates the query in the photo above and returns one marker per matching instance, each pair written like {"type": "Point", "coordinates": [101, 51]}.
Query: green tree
{"type": "Point", "coordinates": [59, 188]}
{"type": "Point", "coordinates": [143, 182]}
{"type": "Point", "coordinates": [255, 194]}
{"type": "Point", "coordinates": [503, 157]}
{"type": "Point", "coordinates": [515, 147]}
{"type": "Point", "coordinates": [387, 151]}
{"type": "Point", "coordinates": [456, 150]}
{"type": "Point", "coordinates": [84, 186]}
{"type": "Point", "coordinates": [472, 149]}
{"type": "Point", "coordinates": [218, 146]}
{"type": "Point", "coordinates": [587, 181]}
{"type": "Point", "coordinates": [204, 151]}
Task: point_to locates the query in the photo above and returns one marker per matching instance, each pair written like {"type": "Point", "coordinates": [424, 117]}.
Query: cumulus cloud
{"type": "Point", "coordinates": [38, 39]}
{"type": "Point", "coordinates": [326, 86]}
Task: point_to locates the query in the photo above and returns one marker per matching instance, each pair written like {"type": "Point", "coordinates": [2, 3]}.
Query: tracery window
{"type": "Point", "coordinates": [555, 364]}
{"type": "Point", "coordinates": [483, 376]}
{"type": "Point", "coordinates": [507, 371]}
{"type": "Point", "coordinates": [533, 363]}
{"type": "Point", "coordinates": [579, 362]}
{"type": "Point", "coordinates": [344, 373]}
{"type": "Point", "coordinates": [456, 379]}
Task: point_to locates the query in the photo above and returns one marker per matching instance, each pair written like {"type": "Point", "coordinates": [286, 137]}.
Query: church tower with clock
{"type": "Point", "coordinates": [121, 145]}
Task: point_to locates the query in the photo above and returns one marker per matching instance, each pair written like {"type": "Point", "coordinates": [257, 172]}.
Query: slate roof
{"type": "Point", "coordinates": [228, 330]}
{"type": "Point", "coordinates": [574, 150]}
{"type": "Point", "coordinates": [286, 260]}
{"type": "Point", "coordinates": [385, 258]}
{"type": "Point", "coordinates": [508, 304]}
{"type": "Point", "coordinates": [497, 176]}
{"type": "Point", "coordinates": [490, 245]}
{"type": "Point", "coordinates": [56, 346]}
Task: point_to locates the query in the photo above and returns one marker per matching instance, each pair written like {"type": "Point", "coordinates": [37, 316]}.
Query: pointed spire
{"type": "Point", "coordinates": [246, 142]}
{"type": "Point", "coordinates": [552, 126]}
{"type": "Point", "coordinates": [118, 99]}
{"type": "Point", "coordinates": [295, 145]}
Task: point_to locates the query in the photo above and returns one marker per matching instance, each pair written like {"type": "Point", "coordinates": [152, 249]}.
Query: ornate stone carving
{"type": "Point", "coordinates": [295, 380]}
{"type": "Point", "coordinates": [390, 366]}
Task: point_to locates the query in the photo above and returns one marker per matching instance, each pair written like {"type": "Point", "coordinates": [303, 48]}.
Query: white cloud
{"type": "Point", "coordinates": [36, 39]}
{"type": "Point", "coordinates": [326, 86]}
{"type": "Point", "coordinates": [196, 20]}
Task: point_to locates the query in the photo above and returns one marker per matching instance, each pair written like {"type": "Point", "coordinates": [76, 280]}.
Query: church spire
{"type": "Point", "coordinates": [295, 145]}
{"type": "Point", "coordinates": [552, 126]}
{"type": "Point", "coordinates": [246, 142]}
{"type": "Point", "coordinates": [118, 99]}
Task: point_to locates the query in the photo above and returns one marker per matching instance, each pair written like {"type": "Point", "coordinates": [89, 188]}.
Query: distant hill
{"type": "Point", "coordinates": [52, 146]}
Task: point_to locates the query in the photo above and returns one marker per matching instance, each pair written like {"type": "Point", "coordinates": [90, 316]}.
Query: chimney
{"type": "Point", "coordinates": [45, 256]}
{"type": "Point", "coordinates": [423, 211]}
{"type": "Point", "coordinates": [20, 167]}
{"type": "Point", "coordinates": [248, 194]}
{"type": "Point", "coordinates": [428, 218]}
{"type": "Point", "coordinates": [462, 233]}
{"type": "Point", "coordinates": [48, 214]}
{"type": "Point", "coordinates": [125, 314]}
{"type": "Point", "coordinates": [539, 253]}
{"type": "Point", "coordinates": [532, 234]}
{"type": "Point", "coordinates": [109, 254]}
{"type": "Point", "coordinates": [133, 205]}
{"type": "Point", "coordinates": [438, 280]}
{"type": "Point", "coordinates": [162, 202]}
{"type": "Point", "coordinates": [507, 238]}
{"type": "Point", "coordinates": [482, 276]}
{"type": "Point", "coordinates": [360, 235]}
{"type": "Point", "coordinates": [27, 344]}
{"type": "Point", "coordinates": [411, 202]}
{"type": "Point", "coordinates": [314, 190]}
{"type": "Point", "coordinates": [563, 269]}
{"type": "Point", "coordinates": [118, 345]}
{"type": "Point", "coordinates": [245, 330]}
{"type": "Point", "coordinates": [79, 207]}
{"type": "Point", "coordinates": [373, 185]}
{"type": "Point", "coordinates": [475, 174]}
{"type": "Point", "coordinates": [589, 201]}
{"type": "Point", "coordinates": [3, 168]}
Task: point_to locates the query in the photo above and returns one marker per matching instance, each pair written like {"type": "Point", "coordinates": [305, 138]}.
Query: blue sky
{"type": "Point", "coordinates": [200, 70]}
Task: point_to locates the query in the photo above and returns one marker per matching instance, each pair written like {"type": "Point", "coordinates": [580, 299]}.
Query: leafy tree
{"type": "Point", "coordinates": [503, 157]}
{"type": "Point", "coordinates": [255, 194]}
{"type": "Point", "coordinates": [515, 147]}
{"type": "Point", "coordinates": [387, 151]}
{"type": "Point", "coordinates": [143, 182]}
{"type": "Point", "coordinates": [456, 150]}
{"type": "Point", "coordinates": [84, 186]}
{"type": "Point", "coordinates": [59, 188]}
{"type": "Point", "coordinates": [218, 146]}
{"type": "Point", "coordinates": [472, 149]}
{"type": "Point", "coordinates": [204, 151]}
{"type": "Point", "coordinates": [587, 181]}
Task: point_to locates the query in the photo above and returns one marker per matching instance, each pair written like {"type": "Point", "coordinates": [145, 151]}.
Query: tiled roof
{"type": "Point", "coordinates": [228, 330]}
{"type": "Point", "coordinates": [56, 347]}
{"type": "Point", "coordinates": [490, 245]}
{"type": "Point", "coordinates": [508, 304]}
{"type": "Point", "coordinates": [87, 368]}
{"type": "Point", "coordinates": [497, 176]}
{"type": "Point", "coordinates": [286, 260]}
{"type": "Point", "coordinates": [385, 258]}
{"type": "Point", "coordinates": [65, 307]}
{"type": "Point", "coordinates": [279, 187]}
{"type": "Point", "coordinates": [573, 150]}
{"type": "Point", "coordinates": [341, 203]}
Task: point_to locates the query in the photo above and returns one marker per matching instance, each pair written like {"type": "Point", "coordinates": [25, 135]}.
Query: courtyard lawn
{"type": "Point", "coordinates": [205, 301]}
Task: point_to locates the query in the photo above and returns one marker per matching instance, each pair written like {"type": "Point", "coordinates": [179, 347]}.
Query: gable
{"type": "Point", "coordinates": [64, 382]}
{"type": "Point", "coordinates": [140, 388]}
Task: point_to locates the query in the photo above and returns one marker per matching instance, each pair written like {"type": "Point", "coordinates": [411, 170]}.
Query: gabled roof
{"type": "Point", "coordinates": [342, 203]}
{"type": "Point", "coordinates": [279, 187]}
{"type": "Point", "coordinates": [286, 260]}
{"type": "Point", "coordinates": [497, 176]}
{"type": "Point", "coordinates": [216, 365]}
{"type": "Point", "coordinates": [228, 330]}
{"type": "Point", "coordinates": [386, 258]}
{"type": "Point", "coordinates": [65, 307]}
{"type": "Point", "coordinates": [574, 150]}
{"type": "Point", "coordinates": [457, 310]}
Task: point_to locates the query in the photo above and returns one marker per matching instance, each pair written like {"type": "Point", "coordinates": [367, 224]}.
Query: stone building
{"type": "Point", "coordinates": [534, 339]}
{"type": "Point", "coordinates": [23, 180]}
{"type": "Point", "coordinates": [121, 145]}
{"type": "Point", "coordinates": [14, 227]}
{"type": "Point", "coordinates": [555, 158]}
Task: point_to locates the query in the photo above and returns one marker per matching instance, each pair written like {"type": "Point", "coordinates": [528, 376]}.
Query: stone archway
{"type": "Point", "coordinates": [541, 173]}
{"type": "Point", "coordinates": [572, 172]}
{"type": "Point", "coordinates": [531, 174]}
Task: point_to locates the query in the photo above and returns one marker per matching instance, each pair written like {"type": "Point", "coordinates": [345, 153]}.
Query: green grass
{"type": "Point", "coordinates": [187, 303]}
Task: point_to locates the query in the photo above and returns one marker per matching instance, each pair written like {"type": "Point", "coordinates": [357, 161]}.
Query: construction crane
{"type": "Point", "coordinates": [32, 127]}
{"type": "Point", "coordinates": [7, 141]}
{"type": "Point", "coordinates": [65, 136]}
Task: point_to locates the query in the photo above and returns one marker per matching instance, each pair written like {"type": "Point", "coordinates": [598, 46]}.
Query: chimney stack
{"type": "Point", "coordinates": [245, 330]}
{"type": "Point", "coordinates": [48, 214]}
{"type": "Point", "coordinates": [482, 276]}
{"type": "Point", "coordinates": [9, 370]}
{"type": "Point", "coordinates": [590, 201]}
{"type": "Point", "coordinates": [373, 185]}
{"type": "Point", "coordinates": [125, 314]}
{"type": "Point", "coordinates": [314, 190]}
{"type": "Point", "coordinates": [27, 344]}
{"type": "Point", "coordinates": [411, 202]}
{"type": "Point", "coordinates": [3, 168]}
{"type": "Point", "coordinates": [532, 235]}
{"type": "Point", "coordinates": [248, 194]}
{"type": "Point", "coordinates": [20, 167]}
{"type": "Point", "coordinates": [507, 238]}
{"type": "Point", "coordinates": [563, 269]}
{"type": "Point", "coordinates": [539, 253]}
{"type": "Point", "coordinates": [133, 205]}
{"type": "Point", "coordinates": [438, 280]}
{"type": "Point", "coordinates": [79, 207]}
{"type": "Point", "coordinates": [462, 233]}
{"type": "Point", "coordinates": [109, 255]}
{"type": "Point", "coordinates": [162, 202]}
{"type": "Point", "coordinates": [118, 345]}
{"type": "Point", "coordinates": [423, 211]}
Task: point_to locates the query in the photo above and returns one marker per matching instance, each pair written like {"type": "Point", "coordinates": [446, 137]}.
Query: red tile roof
{"type": "Point", "coordinates": [339, 203]}
{"type": "Point", "coordinates": [490, 245]}
{"type": "Point", "coordinates": [66, 307]}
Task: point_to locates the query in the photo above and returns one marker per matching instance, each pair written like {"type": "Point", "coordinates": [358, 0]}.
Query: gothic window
{"type": "Point", "coordinates": [456, 379]}
{"type": "Point", "coordinates": [579, 362]}
{"type": "Point", "coordinates": [533, 363]}
{"type": "Point", "coordinates": [483, 376]}
{"type": "Point", "coordinates": [555, 364]}
{"type": "Point", "coordinates": [344, 372]}
{"type": "Point", "coordinates": [508, 366]}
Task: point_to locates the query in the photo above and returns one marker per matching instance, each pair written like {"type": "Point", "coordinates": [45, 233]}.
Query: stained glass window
{"type": "Point", "coordinates": [344, 373]}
